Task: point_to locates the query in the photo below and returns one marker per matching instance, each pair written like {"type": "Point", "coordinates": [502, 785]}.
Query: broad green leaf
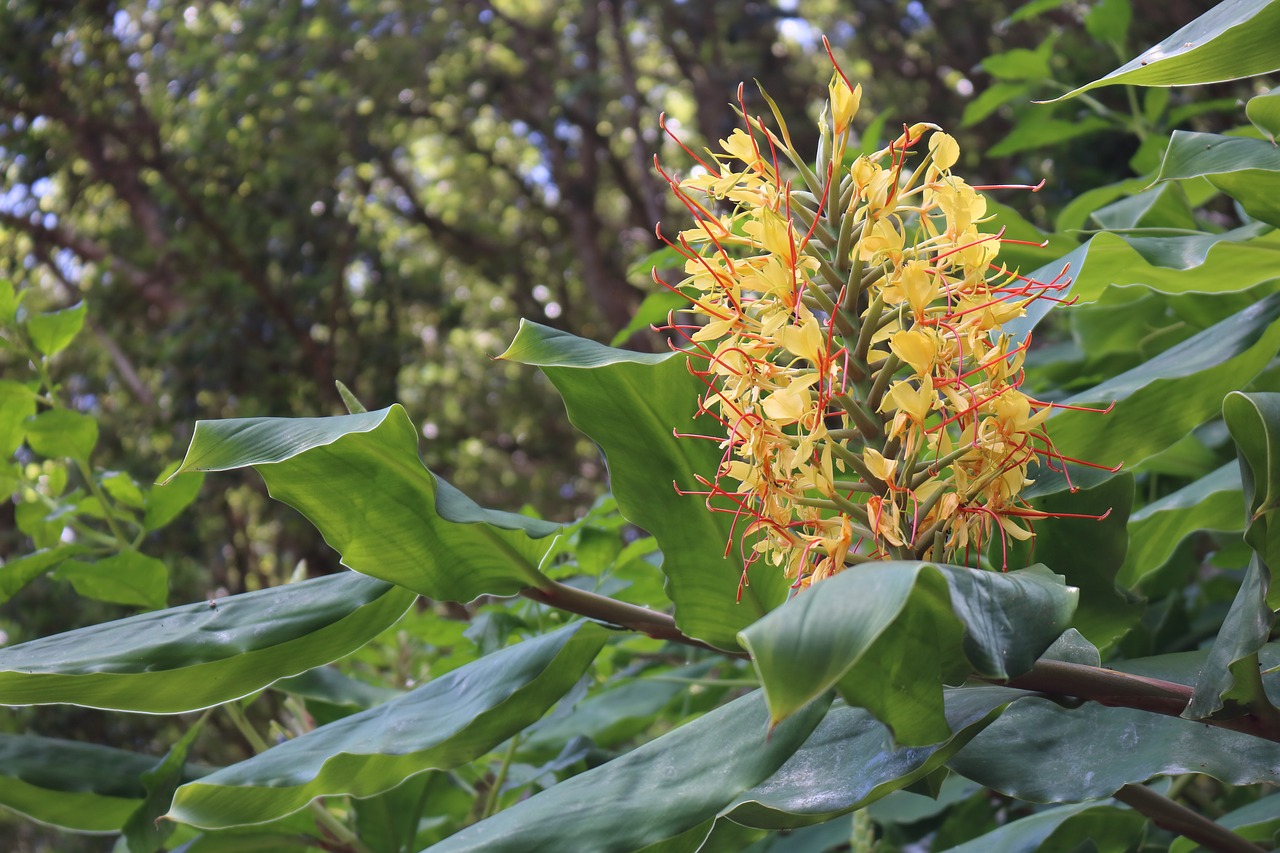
{"type": "Point", "coordinates": [447, 722]}
{"type": "Point", "coordinates": [613, 715]}
{"type": "Point", "coordinates": [1258, 821]}
{"type": "Point", "coordinates": [191, 657]}
{"type": "Point", "coordinates": [1230, 262]}
{"type": "Point", "coordinates": [124, 578]}
{"type": "Point", "coordinates": [1020, 63]}
{"type": "Point", "coordinates": [165, 501]}
{"type": "Point", "coordinates": [673, 784]}
{"type": "Point", "coordinates": [1108, 20]}
{"type": "Point", "coordinates": [52, 332]}
{"type": "Point", "coordinates": [1231, 676]}
{"type": "Point", "coordinates": [62, 433]}
{"type": "Point", "coordinates": [1037, 748]}
{"type": "Point", "coordinates": [144, 831]}
{"type": "Point", "coordinates": [1234, 39]}
{"type": "Point", "coordinates": [1107, 827]}
{"type": "Point", "coordinates": [1264, 111]}
{"type": "Point", "coordinates": [992, 99]}
{"type": "Point", "coordinates": [888, 635]}
{"type": "Point", "coordinates": [1246, 169]}
{"type": "Point", "coordinates": [1104, 613]}
{"type": "Point", "coordinates": [17, 404]}
{"type": "Point", "coordinates": [1254, 421]}
{"type": "Point", "coordinates": [359, 480]}
{"type": "Point", "coordinates": [630, 404]}
{"type": "Point", "coordinates": [1162, 400]}
{"type": "Point", "coordinates": [122, 487]}
{"type": "Point", "coordinates": [388, 822]}
{"type": "Point", "coordinates": [43, 524]}
{"type": "Point", "coordinates": [1213, 502]}
{"type": "Point", "coordinates": [1049, 131]}
{"type": "Point", "coordinates": [18, 572]}
{"type": "Point", "coordinates": [1163, 206]}
{"type": "Point", "coordinates": [847, 764]}
{"type": "Point", "coordinates": [77, 786]}
{"type": "Point", "coordinates": [327, 684]}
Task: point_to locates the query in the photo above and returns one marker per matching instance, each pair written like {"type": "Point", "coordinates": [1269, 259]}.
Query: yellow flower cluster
{"type": "Point", "coordinates": [851, 343]}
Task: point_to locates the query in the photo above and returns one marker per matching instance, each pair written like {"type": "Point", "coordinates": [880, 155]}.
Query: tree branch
{"type": "Point", "coordinates": [1175, 817]}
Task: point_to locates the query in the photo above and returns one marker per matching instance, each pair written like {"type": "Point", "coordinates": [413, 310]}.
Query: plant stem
{"type": "Point", "coordinates": [337, 828]}
{"type": "Point", "coordinates": [500, 778]}
{"type": "Point", "coordinates": [654, 623]}
{"type": "Point", "coordinates": [1175, 817]}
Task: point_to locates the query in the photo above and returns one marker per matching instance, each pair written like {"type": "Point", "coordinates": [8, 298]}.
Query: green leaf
{"type": "Point", "coordinates": [1254, 422]}
{"type": "Point", "coordinates": [1264, 111]}
{"type": "Point", "coordinates": [166, 501]}
{"type": "Point", "coordinates": [1231, 678]}
{"type": "Point", "coordinates": [447, 722]}
{"type": "Point", "coordinates": [1163, 206]}
{"type": "Point", "coordinates": [359, 480]}
{"type": "Point", "coordinates": [1108, 20]}
{"type": "Point", "coordinates": [1162, 400]}
{"type": "Point", "coordinates": [888, 635]}
{"type": "Point", "coordinates": [1048, 131]}
{"type": "Point", "coordinates": [613, 715]}
{"type": "Point", "coordinates": [1104, 613]}
{"type": "Point", "coordinates": [350, 400]}
{"type": "Point", "coordinates": [1212, 502]}
{"type": "Point", "coordinates": [1246, 169]}
{"type": "Point", "coordinates": [62, 433]}
{"type": "Point", "coordinates": [124, 578]}
{"type": "Point", "coordinates": [1232, 40]}
{"type": "Point", "coordinates": [123, 488]}
{"type": "Point", "coordinates": [191, 657]}
{"type": "Point", "coordinates": [10, 299]}
{"type": "Point", "coordinates": [78, 786]}
{"type": "Point", "coordinates": [846, 765]}
{"type": "Point", "coordinates": [144, 832]}
{"type": "Point", "coordinates": [52, 332]}
{"type": "Point", "coordinates": [992, 98]}
{"type": "Point", "coordinates": [653, 311]}
{"type": "Point", "coordinates": [17, 404]}
{"type": "Point", "coordinates": [1020, 63]}
{"type": "Point", "coordinates": [389, 821]}
{"type": "Point", "coordinates": [1106, 826]}
{"type": "Point", "coordinates": [674, 784]}
{"type": "Point", "coordinates": [327, 684]}
{"type": "Point", "coordinates": [630, 404]}
{"type": "Point", "coordinates": [18, 572]}
{"type": "Point", "coordinates": [1036, 750]}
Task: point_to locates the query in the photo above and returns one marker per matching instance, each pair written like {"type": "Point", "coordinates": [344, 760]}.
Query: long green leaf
{"type": "Point", "coordinates": [1234, 39]}
{"type": "Point", "coordinates": [198, 655]}
{"type": "Point", "coordinates": [359, 480]}
{"type": "Point", "coordinates": [630, 404]}
{"type": "Point", "coordinates": [889, 635]}
{"type": "Point", "coordinates": [1163, 399]}
{"type": "Point", "coordinates": [446, 722]}
{"type": "Point", "coordinates": [846, 763]}
{"type": "Point", "coordinates": [1043, 752]}
{"type": "Point", "coordinates": [1101, 826]}
{"type": "Point", "coordinates": [1104, 613]}
{"type": "Point", "coordinates": [671, 785]}
{"type": "Point", "coordinates": [77, 786]}
{"type": "Point", "coordinates": [1231, 674]}
{"type": "Point", "coordinates": [1213, 502]}
{"type": "Point", "coordinates": [1246, 169]}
